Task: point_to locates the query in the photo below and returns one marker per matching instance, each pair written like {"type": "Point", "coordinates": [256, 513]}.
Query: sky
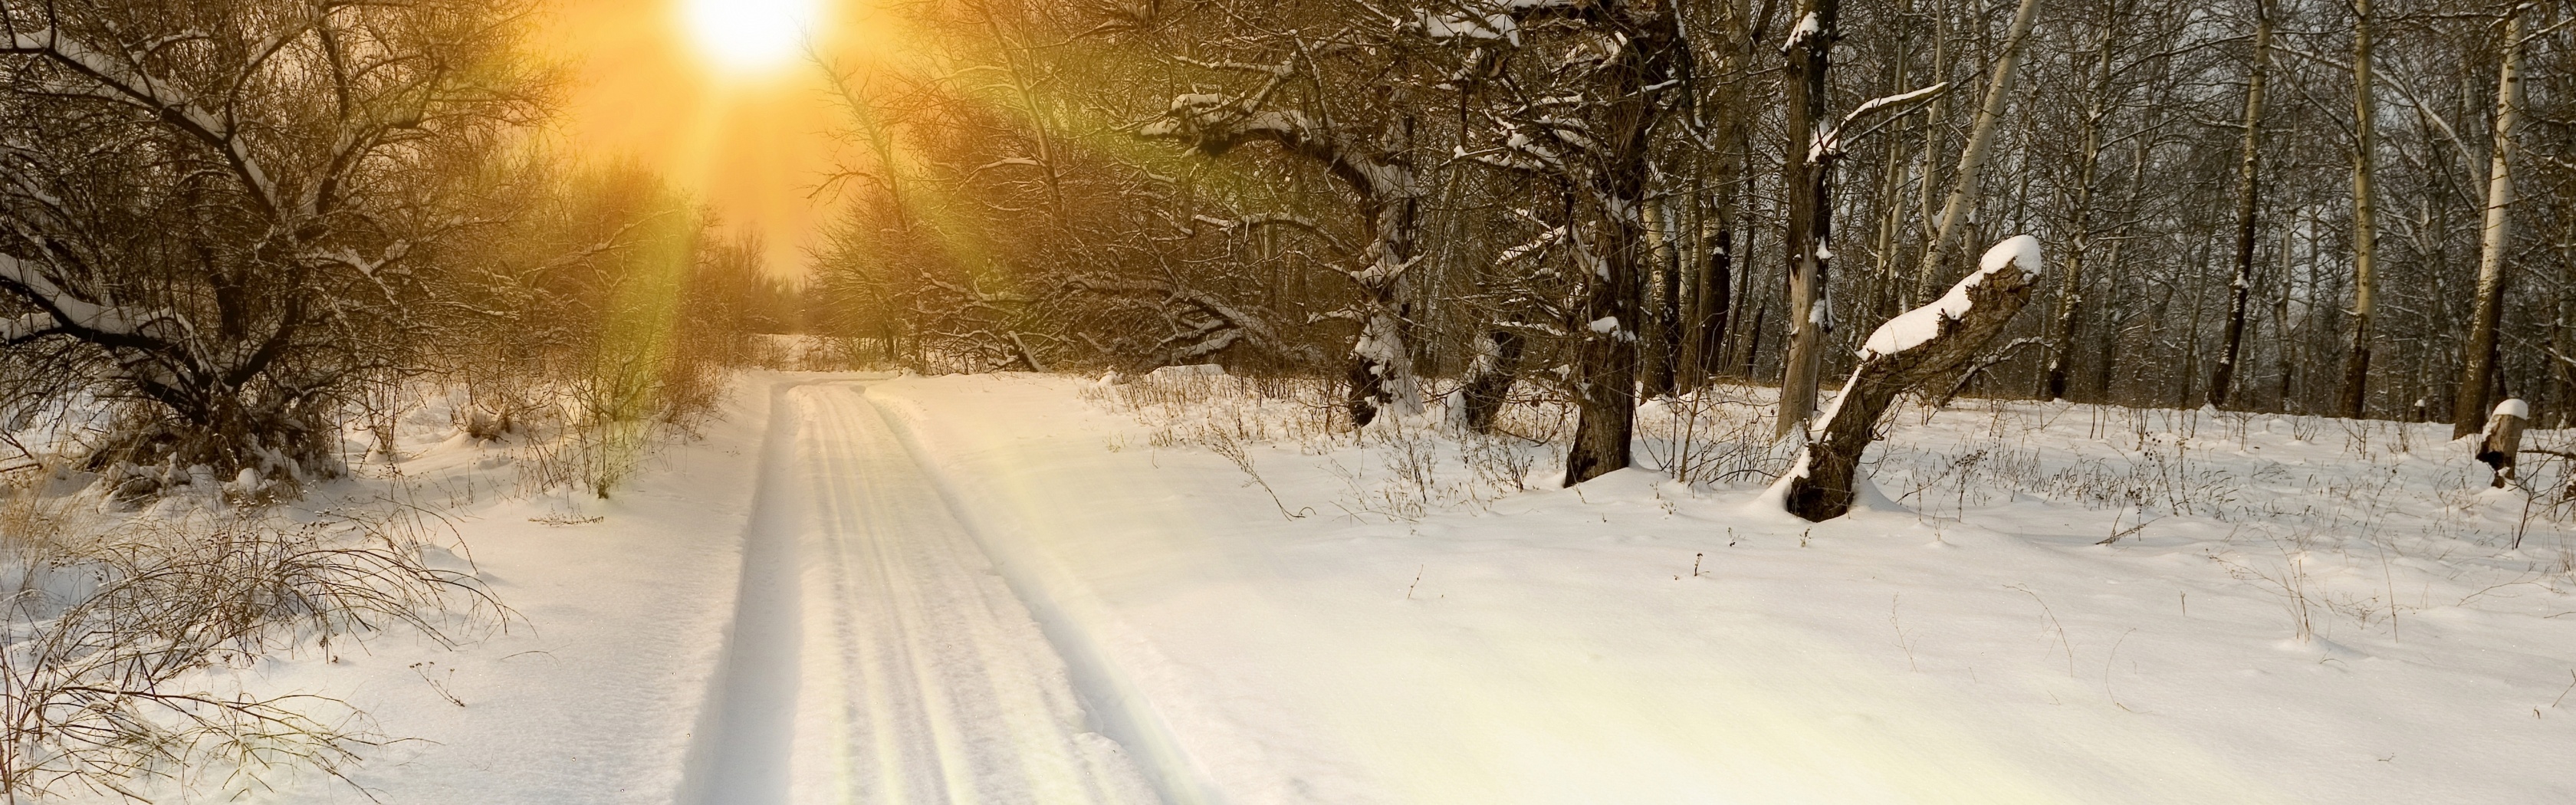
{"type": "Point", "coordinates": [714, 94]}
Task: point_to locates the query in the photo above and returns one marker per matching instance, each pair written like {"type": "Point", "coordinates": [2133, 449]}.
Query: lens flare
{"type": "Point", "coordinates": [749, 36]}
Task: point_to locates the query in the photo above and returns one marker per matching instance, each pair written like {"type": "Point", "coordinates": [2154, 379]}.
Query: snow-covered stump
{"type": "Point", "coordinates": [2502, 440]}
{"type": "Point", "coordinates": [1922, 345]}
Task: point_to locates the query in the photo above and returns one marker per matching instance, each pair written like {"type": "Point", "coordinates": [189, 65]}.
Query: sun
{"type": "Point", "coordinates": [750, 36]}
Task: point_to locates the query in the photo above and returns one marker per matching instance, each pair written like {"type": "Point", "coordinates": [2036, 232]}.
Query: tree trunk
{"type": "Point", "coordinates": [2222, 379]}
{"type": "Point", "coordinates": [1662, 311]}
{"type": "Point", "coordinates": [1717, 298]}
{"type": "Point", "coordinates": [1808, 178]}
{"type": "Point", "coordinates": [1606, 357]}
{"type": "Point", "coordinates": [1381, 367]}
{"type": "Point", "coordinates": [2365, 221]}
{"type": "Point", "coordinates": [1887, 294]}
{"type": "Point", "coordinates": [1981, 140]}
{"type": "Point", "coordinates": [1489, 379]}
{"type": "Point", "coordinates": [1934, 115]}
{"type": "Point", "coordinates": [1926, 344]}
{"type": "Point", "coordinates": [2477, 370]}
{"type": "Point", "coordinates": [2562, 339]}
{"type": "Point", "coordinates": [2070, 290]}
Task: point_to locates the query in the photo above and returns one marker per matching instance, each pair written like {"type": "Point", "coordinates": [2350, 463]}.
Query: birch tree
{"type": "Point", "coordinates": [2355, 392]}
{"type": "Point", "coordinates": [1965, 184]}
{"type": "Point", "coordinates": [2478, 358]}
{"type": "Point", "coordinates": [2222, 380]}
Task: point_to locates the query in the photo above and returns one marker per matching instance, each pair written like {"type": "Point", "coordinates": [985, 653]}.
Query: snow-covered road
{"type": "Point", "coordinates": [875, 655]}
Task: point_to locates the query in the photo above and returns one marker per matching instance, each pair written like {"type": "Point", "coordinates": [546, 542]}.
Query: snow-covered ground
{"type": "Point", "coordinates": [1556, 646]}
{"type": "Point", "coordinates": [1022, 588]}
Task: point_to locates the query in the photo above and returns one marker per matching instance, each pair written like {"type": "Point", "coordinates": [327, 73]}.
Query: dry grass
{"type": "Point", "coordinates": [122, 640]}
{"type": "Point", "coordinates": [126, 630]}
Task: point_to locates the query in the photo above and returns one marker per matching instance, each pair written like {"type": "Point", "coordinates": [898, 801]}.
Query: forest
{"type": "Point", "coordinates": [242, 217]}
{"type": "Point", "coordinates": [2339, 208]}
{"type": "Point", "coordinates": [295, 292]}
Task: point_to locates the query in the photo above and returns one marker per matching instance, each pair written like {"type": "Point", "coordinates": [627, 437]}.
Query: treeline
{"type": "Point", "coordinates": [238, 226]}
{"type": "Point", "coordinates": [2356, 207]}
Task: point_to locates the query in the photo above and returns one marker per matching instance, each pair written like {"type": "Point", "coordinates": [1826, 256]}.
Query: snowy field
{"type": "Point", "coordinates": [1024, 588]}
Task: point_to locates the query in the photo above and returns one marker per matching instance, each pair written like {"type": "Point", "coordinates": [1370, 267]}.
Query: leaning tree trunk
{"type": "Point", "coordinates": [2477, 367]}
{"type": "Point", "coordinates": [2222, 380]}
{"type": "Point", "coordinates": [1925, 344]}
{"type": "Point", "coordinates": [2365, 220]}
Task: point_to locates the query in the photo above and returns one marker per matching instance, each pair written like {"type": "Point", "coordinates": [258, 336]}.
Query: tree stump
{"type": "Point", "coordinates": [1924, 344]}
{"type": "Point", "coordinates": [2501, 441]}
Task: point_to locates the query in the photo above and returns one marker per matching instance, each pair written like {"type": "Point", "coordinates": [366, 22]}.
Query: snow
{"type": "Point", "coordinates": [1013, 587]}
{"type": "Point", "coordinates": [72, 310]}
{"type": "Point", "coordinates": [1914, 327]}
{"type": "Point", "coordinates": [1604, 325]}
{"type": "Point", "coordinates": [1495, 25]}
{"type": "Point", "coordinates": [1551, 645]}
{"type": "Point", "coordinates": [2513, 408]}
{"type": "Point", "coordinates": [1808, 26]}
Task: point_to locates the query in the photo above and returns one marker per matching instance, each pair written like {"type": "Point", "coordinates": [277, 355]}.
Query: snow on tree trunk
{"type": "Point", "coordinates": [1808, 181]}
{"type": "Point", "coordinates": [1381, 369]}
{"type": "Point", "coordinates": [1922, 345]}
{"type": "Point", "coordinates": [1606, 354]}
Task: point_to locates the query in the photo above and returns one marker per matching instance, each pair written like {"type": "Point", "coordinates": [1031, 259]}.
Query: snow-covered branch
{"type": "Point", "coordinates": [1830, 143]}
{"type": "Point", "coordinates": [122, 81]}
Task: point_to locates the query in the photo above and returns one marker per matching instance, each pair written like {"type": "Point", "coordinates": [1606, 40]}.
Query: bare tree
{"type": "Point", "coordinates": [225, 211]}
{"type": "Point", "coordinates": [1378, 174]}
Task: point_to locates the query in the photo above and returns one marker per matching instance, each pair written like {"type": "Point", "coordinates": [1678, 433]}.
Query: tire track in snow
{"type": "Point", "coordinates": [917, 676]}
{"type": "Point", "coordinates": [740, 750]}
